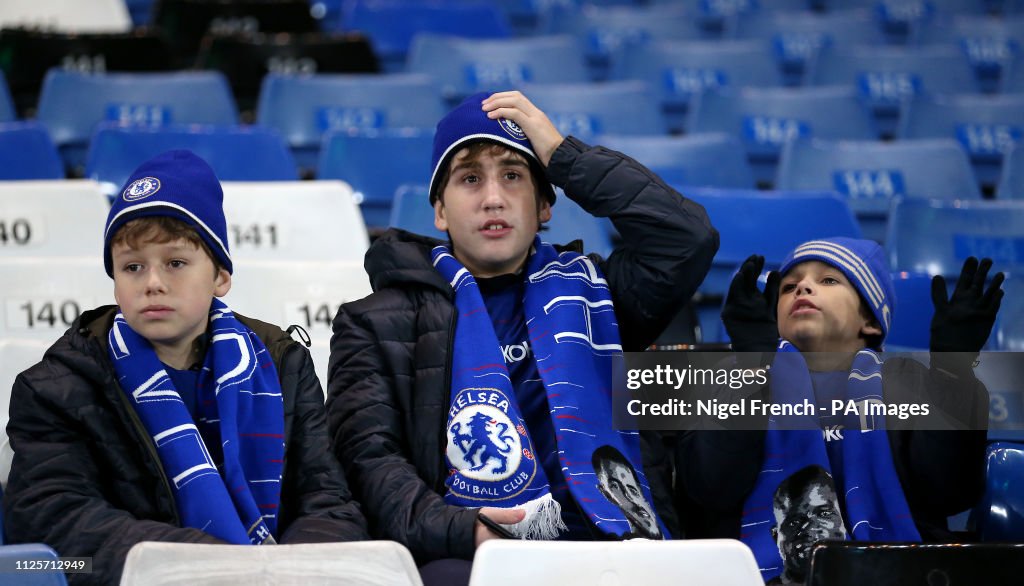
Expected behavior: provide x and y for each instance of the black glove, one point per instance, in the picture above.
(749, 315)
(964, 321)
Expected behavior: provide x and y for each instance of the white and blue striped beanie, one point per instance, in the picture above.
(863, 262)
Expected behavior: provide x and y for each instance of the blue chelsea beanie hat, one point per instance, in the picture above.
(177, 184)
(467, 124)
(862, 261)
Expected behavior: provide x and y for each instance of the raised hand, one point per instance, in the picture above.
(963, 322)
(514, 106)
(749, 315)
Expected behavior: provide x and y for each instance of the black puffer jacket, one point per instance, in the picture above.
(86, 478)
(391, 352)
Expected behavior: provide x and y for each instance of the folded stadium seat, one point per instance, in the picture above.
(1001, 372)
(1011, 184)
(871, 174)
(606, 31)
(769, 223)
(587, 109)
(986, 126)
(887, 76)
(853, 563)
(45, 219)
(71, 16)
(249, 153)
(936, 236)
(718, 18)
(71, 105)
(797, 37)
(570, 222)
(302, 108)
(992, 45)
(465, 66)
(1013, 80)
(723, 562)
(903, 20)
(16, 355)
(375, 163)
(186, 22)
(368, 563)
(27, 54)
(392, 24)
(1001, 511)
(710, 159)
(912, 317)
(411, 211)
(765, 119)
(10, 555)
(7, 113)
(680, 70)
(27, 152)
(246, 58)
(1008, 334)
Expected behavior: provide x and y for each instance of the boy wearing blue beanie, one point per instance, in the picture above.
(820, 322)
(168, 417)
(473, 384)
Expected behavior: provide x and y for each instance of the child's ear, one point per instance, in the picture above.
(440, 222)
(871, 328)
(222, 283)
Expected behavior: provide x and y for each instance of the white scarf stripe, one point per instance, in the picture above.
(858, 266)
(870, 285)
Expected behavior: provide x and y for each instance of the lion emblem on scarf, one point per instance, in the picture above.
(484, 440)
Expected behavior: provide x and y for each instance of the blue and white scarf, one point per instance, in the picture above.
(237, 388)
(875, 506)
(572, 327)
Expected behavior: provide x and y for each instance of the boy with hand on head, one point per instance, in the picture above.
(167, 417)
(831, 303)
(475, 380)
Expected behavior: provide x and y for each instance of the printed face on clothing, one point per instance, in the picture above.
(803, 521)
(618, 483)
(164, 290)
(491, 210)
(820, 311)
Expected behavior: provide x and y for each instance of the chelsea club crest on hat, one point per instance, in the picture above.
(468, 124)
(177, 184)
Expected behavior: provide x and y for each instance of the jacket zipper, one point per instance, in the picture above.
(439, 484)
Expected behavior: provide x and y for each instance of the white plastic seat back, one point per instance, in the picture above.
(367, 563)
(16, 355)
(722, 562)
(293, 220)
(52, 218)
(42, 296)
(94, 16)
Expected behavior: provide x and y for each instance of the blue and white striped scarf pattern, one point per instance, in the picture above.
(572, 327)
(239, 386)
(875, 506)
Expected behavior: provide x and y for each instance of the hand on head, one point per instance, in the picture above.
(963, 322)
(538, 128)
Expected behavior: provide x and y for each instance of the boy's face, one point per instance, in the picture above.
(489, 209)
(820, 311)
(165, 291)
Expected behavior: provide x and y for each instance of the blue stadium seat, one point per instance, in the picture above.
(767, 118)
(7, 113)
(302, 108)
(570, 222)
(1013, 80)
(1011, 184)
(236, 153)
(912, 316)
(718, 17)
(607, 31)
(872, 173)
(1001, 511)
(797, 37)
(992, 45)
(27, 152)
(986, 126)
(903, 20)
(935, 236)
(1008, 334)
(392, 24)
(375, 164)
(10, 555)
(704, 160)
(680, 70)
(465, 66)
(589, 109)
(71, 104)
(411, 211)
(887, 76)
